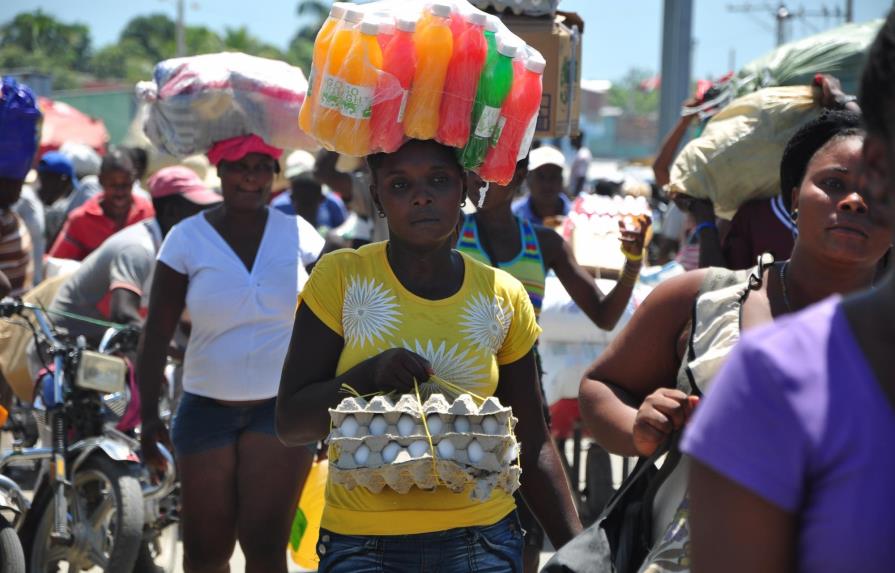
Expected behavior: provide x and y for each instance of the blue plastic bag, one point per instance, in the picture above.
(20, 121)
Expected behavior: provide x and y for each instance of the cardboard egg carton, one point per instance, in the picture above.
(384, 443)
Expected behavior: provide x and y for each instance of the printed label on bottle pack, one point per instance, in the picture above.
(487, 122)
(499, 131)
(330, 92)
(403, 108)
(528, 138)
(357, 101)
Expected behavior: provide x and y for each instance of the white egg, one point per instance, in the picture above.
(406, 424)
(361, 455)
(474, 451)
(348, 427)
(446, 449)
(461, 424)
(435, 424)
(378, 425)
(490, 425)
(510, 455)
(418, 448)
(390, 452)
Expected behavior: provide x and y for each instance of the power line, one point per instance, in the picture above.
(783, 15)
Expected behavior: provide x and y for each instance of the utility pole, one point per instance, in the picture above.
(783, 15)
(849, 10)
(677, 44)
(181, 42)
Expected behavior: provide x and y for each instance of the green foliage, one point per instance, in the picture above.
(39, 42)
(629, 95)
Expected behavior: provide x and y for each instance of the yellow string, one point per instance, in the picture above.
(457, 389)
(419, 403)
(347, 389)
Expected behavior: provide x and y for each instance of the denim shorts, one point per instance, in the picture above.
(203, 424)
(490, 549)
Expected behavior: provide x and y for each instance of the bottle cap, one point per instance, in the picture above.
(508, 46)
(406, 24)
(337, 12)
(369, 28)
(477, 18)
(441, 10)
(386, 24)
(491, 23)
(353, 16)
(535, 63)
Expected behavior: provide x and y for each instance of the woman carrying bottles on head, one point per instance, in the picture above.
(390, 314)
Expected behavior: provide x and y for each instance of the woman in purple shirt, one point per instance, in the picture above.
(792, 449)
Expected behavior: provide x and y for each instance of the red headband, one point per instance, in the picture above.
(236, 148)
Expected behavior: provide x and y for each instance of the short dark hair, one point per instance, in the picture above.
(375, 160)
(140, 159)
(807, 141)
(117, 159)
(876, 95)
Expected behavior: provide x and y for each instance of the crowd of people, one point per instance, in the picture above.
(764, 371)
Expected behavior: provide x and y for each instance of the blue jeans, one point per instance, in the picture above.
(492, 549)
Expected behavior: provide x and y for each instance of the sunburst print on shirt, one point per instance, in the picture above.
(486, 321)
(459, 367)
(370, 312)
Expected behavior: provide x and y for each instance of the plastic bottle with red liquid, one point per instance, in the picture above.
(392, 89)
(461, 82)
(518, 120)
(386, 31)
(495, 84)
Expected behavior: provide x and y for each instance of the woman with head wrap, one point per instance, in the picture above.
(689, 324)
(792, 465)
(237, 268)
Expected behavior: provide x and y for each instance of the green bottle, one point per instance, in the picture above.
(494, 86)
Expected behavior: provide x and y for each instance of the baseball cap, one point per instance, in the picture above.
(545, 155)
(83, 158)
(56, 162)
(298, 163)
(183, 181)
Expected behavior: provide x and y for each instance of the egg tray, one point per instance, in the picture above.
(487, 430)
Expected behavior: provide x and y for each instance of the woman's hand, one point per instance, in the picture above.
(663, 412)
(154, 432)
(396, 369)
(633, 236)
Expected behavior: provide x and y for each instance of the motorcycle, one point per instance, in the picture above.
(91, 493)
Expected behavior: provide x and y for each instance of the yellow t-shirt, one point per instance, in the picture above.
(489, 322)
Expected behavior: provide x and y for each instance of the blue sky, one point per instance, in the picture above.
(619, 34)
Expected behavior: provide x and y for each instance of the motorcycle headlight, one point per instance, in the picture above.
(100, 372)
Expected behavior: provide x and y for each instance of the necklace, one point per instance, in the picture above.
(783, 286)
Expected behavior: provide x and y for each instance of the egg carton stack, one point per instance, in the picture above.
(382, 443)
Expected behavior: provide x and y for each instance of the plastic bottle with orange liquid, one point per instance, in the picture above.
(434, 45)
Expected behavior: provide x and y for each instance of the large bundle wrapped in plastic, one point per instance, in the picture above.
(391, 70)
(198, 100)
(737, 157)
(20, 121)
(839, 52)
(404, 444)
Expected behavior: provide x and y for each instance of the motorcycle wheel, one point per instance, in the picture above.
(106, 520)
(12, 558)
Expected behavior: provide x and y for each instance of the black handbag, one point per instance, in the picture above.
(620, 539)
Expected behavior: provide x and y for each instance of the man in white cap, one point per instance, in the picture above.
(306, 196)
(546, 202)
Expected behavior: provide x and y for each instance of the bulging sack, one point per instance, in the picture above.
(198, 100)
(385, 72)
(737, 157)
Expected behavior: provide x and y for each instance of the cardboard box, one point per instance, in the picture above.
(559, 41)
